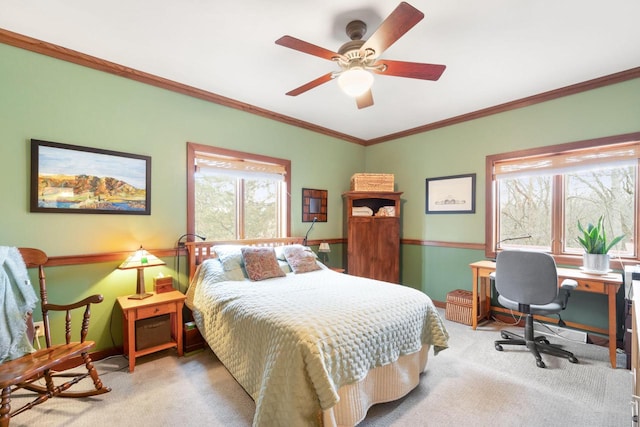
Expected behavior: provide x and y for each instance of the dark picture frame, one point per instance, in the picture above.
(314, 205)
(73, 179)
(451, 194)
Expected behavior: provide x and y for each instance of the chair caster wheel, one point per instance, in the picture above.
(540, 364)
(573, 360)
(504, 336)
(498, 347)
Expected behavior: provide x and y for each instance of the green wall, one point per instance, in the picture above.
(52, 100)
(48, 99)
(461, 149)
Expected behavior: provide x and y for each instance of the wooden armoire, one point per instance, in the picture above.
(373, 242)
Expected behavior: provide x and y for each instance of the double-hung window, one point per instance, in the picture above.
(535, 198)
(235, 195)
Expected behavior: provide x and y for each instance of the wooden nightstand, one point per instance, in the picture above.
(157, 305)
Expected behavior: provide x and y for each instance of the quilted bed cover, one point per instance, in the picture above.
(291, 342)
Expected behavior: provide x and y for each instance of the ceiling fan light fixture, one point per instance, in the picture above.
(355, 81)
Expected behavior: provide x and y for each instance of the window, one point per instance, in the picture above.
(535, 198)
(233, 195)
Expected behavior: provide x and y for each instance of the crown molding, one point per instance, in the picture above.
(49, 49)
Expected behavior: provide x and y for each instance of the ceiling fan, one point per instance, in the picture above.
(359, 58)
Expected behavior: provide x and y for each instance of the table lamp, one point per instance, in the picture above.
(140, 259)
(324, 249)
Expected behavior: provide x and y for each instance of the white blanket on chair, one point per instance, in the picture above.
(17, 298)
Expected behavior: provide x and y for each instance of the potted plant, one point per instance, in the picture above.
(593, 240)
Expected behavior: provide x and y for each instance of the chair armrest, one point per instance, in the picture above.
(568, 285)
(84, 329)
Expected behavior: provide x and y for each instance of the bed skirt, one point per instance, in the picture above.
(382, 384)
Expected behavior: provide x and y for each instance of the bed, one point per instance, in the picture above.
(310, 345)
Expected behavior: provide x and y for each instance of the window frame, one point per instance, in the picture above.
(192, 152)
(491, 202)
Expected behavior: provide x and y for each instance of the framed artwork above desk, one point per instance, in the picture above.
(607, 284)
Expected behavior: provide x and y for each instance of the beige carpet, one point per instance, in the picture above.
(468, 384)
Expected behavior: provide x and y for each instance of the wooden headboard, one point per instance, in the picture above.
(198, 252)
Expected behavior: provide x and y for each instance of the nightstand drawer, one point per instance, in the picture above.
(589, 286)
(155, 310)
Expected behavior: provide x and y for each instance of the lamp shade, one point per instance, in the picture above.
(140, 260)
(355, 81)
(324, 247)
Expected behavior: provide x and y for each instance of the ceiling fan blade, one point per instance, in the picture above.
(365, 100)
(401, 20)
(414, 70)
(308, 86)
(305, 47)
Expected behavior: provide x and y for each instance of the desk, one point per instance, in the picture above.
(606, 284)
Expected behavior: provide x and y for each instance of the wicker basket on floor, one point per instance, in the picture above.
(459, 306)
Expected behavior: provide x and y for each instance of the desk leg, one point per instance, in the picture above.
(611, 291)
(485, 292)
(474, 299)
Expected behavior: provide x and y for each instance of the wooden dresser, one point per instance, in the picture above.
(373, 242)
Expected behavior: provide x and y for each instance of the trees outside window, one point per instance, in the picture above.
(543, 193)
(234, 195)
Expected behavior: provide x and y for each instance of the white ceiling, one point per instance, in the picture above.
(496, 51)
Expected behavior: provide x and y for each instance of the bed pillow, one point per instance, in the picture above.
(301, 259)
(229, 255)
(280, 250)
(261, 263)
(284, 266)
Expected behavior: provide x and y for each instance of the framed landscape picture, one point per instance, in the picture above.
(73, 179)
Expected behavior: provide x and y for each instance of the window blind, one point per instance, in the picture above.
(249, 169)
(564, 162)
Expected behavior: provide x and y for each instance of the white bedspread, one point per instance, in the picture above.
(291, 342)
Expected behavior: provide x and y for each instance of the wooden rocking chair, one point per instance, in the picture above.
(22, 373)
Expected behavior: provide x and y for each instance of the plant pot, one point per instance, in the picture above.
(595, 263)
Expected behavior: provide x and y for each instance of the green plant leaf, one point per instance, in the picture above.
(593, 238)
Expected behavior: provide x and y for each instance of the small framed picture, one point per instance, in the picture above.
(314, 205)
(451, 194)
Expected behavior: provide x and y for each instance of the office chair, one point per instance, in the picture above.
(528, 282)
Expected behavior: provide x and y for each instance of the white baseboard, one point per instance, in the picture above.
(556, 331)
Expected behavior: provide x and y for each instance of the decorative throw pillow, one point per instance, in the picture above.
(301, 259)
(261, 263)
(280, 250)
